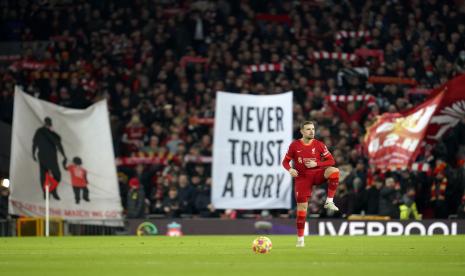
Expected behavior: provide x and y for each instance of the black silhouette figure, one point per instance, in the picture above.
(47, 142)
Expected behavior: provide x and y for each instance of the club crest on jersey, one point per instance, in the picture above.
(313, 150)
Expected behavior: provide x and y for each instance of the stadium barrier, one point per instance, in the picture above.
(95, 228)
(210, 226)
(27, 227)
(321, 227)
(36, 227)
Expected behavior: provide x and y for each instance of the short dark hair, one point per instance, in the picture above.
(304, 123)
(77, 160)
(48, 121)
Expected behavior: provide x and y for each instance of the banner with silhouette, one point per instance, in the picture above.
(251, 137)
(68, 149)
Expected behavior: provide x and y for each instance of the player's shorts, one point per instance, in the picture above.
(304, 184)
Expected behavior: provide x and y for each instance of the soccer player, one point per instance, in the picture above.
(312, 165)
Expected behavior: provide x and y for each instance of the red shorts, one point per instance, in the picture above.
(304, 184)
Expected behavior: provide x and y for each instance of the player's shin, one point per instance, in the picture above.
(333, 181)
(300, 221)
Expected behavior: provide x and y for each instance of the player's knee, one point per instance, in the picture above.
(301, 206)
(332, 172)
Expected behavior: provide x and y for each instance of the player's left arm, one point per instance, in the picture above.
(327, 156)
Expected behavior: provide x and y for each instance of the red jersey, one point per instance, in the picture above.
(301, 153)
(78, 176)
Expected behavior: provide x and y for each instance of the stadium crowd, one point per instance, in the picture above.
(160, 62)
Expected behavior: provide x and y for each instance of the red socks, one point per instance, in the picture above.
(333, 181)
(301, 217)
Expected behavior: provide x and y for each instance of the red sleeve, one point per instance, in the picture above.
(328, 157)
(288, 157)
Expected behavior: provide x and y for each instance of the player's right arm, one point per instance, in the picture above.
(286, 161)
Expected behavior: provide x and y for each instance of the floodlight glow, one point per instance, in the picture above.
(6, 183)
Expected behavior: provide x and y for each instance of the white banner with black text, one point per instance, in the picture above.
(251, 137)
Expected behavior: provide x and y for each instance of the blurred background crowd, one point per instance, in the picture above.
(159, 64)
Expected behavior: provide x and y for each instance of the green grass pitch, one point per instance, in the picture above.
(232, 255)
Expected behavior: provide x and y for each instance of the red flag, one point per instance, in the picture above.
(50, 181)
(393, 141)
(450, 111)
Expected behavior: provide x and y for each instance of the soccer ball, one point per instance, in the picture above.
(262, 245)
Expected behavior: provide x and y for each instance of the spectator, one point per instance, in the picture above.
(372, 197)
(438, 190)
(4, 193)
(202, 198)
(343, 200)
(186, 194)
(171, 204)
(389, 199)
(153, 146)
(173, 142)
(133, 134)
(317, 200)
(408, 208)
(135, 199)
(461, 209)
(139, 67)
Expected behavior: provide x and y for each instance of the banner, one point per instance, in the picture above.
(386, 228)
(391, 80)
(266, 67)
(31, 65)
(393, 140)
(281, 226)
(251, 137)
(317, 55)
(72, 146)
(450, 111)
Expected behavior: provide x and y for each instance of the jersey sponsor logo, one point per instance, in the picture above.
(306, 160)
